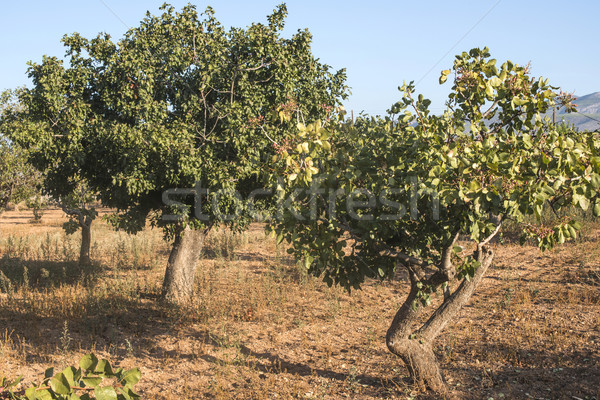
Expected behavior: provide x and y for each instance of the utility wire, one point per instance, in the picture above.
(114, 13)
(587, 116)
(459, 40)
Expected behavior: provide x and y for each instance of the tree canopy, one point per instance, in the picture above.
(178, 104)
(178, 100)
(18, 179)
(399, 192)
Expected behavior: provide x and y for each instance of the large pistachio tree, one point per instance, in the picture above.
(168, 121)
(427, 193)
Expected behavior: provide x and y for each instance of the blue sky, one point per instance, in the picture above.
(380, 43)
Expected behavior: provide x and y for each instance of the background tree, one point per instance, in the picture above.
(18, 179)
(399, 193)
(49, 122)
(37, 204)
(177, 101)
(78, 206)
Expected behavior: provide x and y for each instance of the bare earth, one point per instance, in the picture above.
(259, 328)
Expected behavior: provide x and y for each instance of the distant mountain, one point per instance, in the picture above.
(588, 107)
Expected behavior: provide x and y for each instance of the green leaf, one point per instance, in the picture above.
(43, 395)
(104, 367)
(584, 203)
(60, 384)
(576, 224)
(572, 232)
(122, 394)
(518, 101)
(308, 259)
(474, 186)
(595, 181)
(49, 373)
(30, 393)
(475, 231)
(105, 393)
(495, 81)
(131, 377)
(560, 236)
(489, 91)
(88, 362)
(128, 393)
(280, 238)
(70, 374)
(91, 381)
(597, 210)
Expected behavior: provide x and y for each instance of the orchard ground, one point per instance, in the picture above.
(260, 328)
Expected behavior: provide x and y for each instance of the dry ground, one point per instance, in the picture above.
(260, 328)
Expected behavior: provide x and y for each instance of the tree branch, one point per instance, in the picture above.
(403, 257)
(487, 240)
(73, 212)
(267, 135)
(488, 112)
(262, 65)
(452, 305)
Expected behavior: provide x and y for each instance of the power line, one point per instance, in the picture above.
(458, 42)
(587, 116)
(114, 13)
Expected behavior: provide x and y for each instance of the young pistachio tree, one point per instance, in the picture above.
(174, 117)
(49, 122)
(363, 200)
(19, 180)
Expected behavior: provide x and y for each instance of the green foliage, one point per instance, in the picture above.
(93, 379)
(39, 170)
(18, 179)
(401, 189)
(76, 205)
(178, 100)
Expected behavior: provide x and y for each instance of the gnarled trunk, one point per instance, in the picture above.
(178, 285)
(415, 346)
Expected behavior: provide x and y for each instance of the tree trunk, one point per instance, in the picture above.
(178, 285)
(86, 240)
(415, 346)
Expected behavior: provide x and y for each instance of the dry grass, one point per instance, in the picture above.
(261, 328)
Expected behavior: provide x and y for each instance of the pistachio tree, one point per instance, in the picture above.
(425, 194)
(167, 122)
(48, 122)
(18, 179)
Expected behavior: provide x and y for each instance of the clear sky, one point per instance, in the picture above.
(380, 43)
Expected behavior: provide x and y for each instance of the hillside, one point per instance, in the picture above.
(587, 106)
